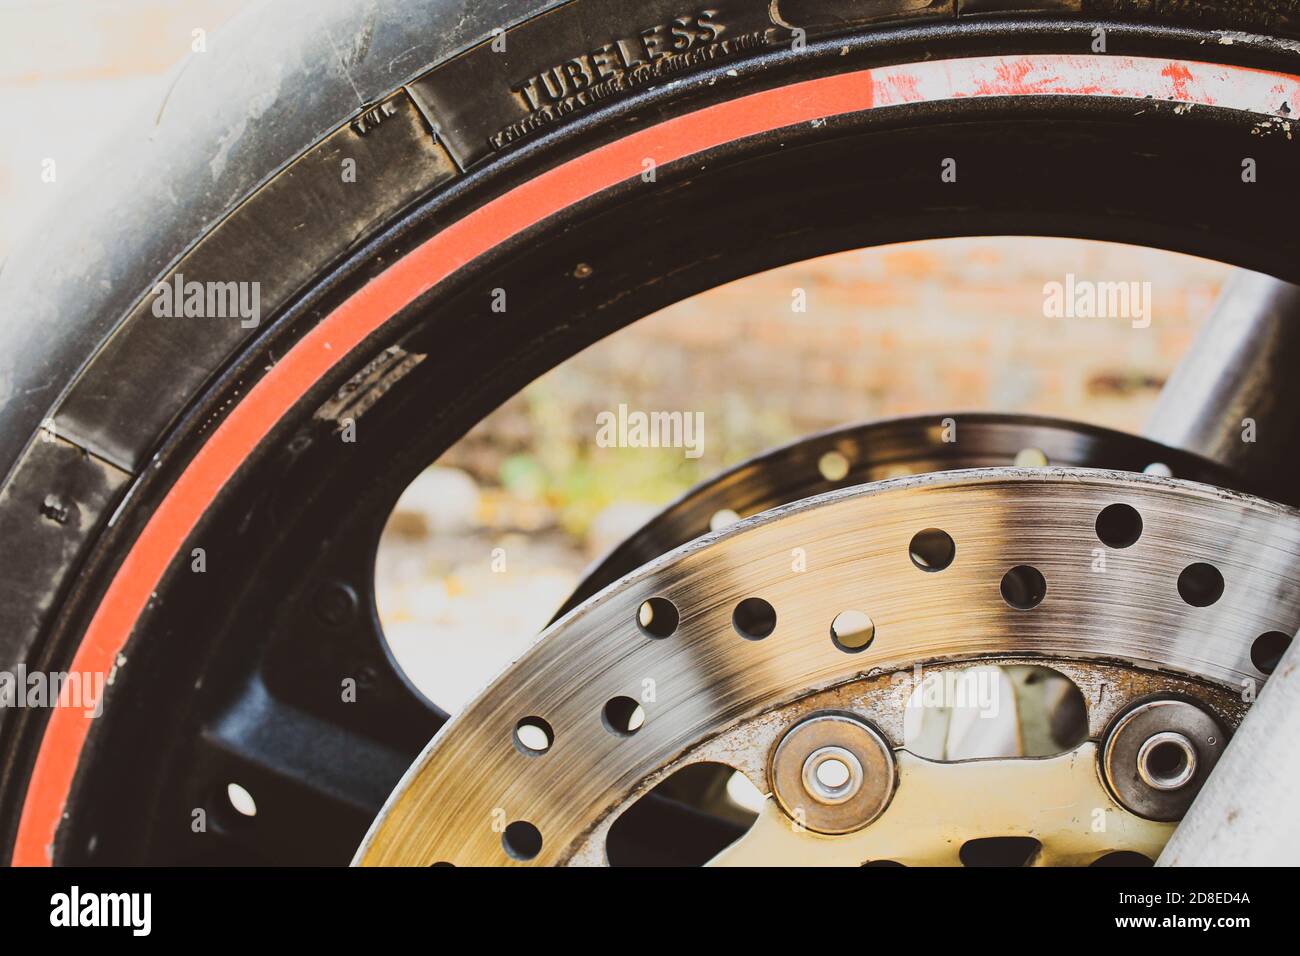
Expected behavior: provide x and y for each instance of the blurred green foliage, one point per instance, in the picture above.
(565, 468)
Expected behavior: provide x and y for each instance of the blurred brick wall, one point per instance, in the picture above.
(920, 328)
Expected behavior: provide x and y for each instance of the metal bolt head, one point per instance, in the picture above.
(1158, 754)
(822, 803)
(818, 783)
(1167, 761)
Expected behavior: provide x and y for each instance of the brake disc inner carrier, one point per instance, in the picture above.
(795, 638)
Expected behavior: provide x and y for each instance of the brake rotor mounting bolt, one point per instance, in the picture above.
(1167, 761)
(1158, 754)
(833, 772)
(832, 775)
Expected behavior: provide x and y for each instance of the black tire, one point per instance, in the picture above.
(238, 178)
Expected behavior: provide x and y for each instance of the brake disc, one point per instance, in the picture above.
(877, 450)
(1147, 592)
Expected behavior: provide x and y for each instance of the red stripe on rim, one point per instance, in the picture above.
(461, 242)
